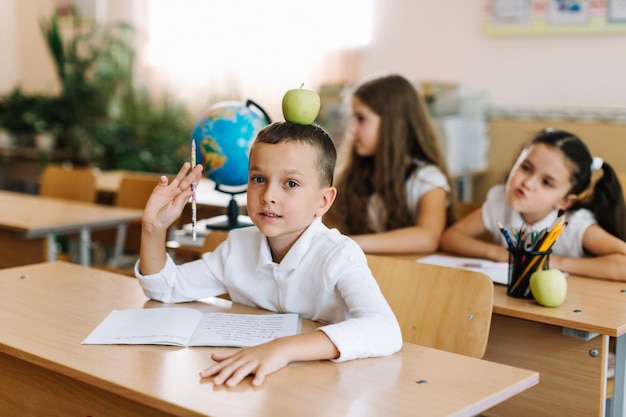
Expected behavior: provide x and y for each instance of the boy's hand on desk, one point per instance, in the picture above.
(236, 364)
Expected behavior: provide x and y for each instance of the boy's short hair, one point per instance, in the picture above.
(313, 135)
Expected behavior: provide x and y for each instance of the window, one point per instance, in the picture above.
(206, 50)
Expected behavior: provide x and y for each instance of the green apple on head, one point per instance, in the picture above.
(301, 105)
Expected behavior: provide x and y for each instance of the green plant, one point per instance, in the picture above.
(12, 109)
(148, 135)
(26, 114)
(99, 114)
(94, 67)
(111, 123)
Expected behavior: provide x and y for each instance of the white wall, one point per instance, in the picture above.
(9, 67)
(25, 58)
(439, 40)
(442, 40)
(37, 67)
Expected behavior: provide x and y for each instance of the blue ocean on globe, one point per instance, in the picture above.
(223, 137)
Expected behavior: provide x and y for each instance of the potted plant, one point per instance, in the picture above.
(99, 115)
(14, 109)
(43, 121)
(107, 120)
(147, 135)
(25, 116)
(94, 66)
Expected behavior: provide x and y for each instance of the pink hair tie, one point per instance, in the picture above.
(596, 163)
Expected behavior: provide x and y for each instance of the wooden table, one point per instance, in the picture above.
(47, 309)
(211, 203)
(108, 182)
(211, 208)
(567, 345)
(41, 219)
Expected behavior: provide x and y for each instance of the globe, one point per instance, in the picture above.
(223, 137)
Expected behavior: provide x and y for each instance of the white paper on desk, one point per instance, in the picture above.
(190, 327)
(497, 271)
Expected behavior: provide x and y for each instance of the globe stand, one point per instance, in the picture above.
(232, 218)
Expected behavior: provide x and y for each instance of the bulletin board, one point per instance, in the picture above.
(554, 17)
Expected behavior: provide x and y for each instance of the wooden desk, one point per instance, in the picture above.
(41, 219)
(553, 341)
(573, 370)
(211, 205)
(108, 182)
(46, 310)
(210, 202)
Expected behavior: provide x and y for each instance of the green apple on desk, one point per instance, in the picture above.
(301, 105)
(549, 287)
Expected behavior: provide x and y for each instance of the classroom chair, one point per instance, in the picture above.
(70, 183)
(78, 184)
(133, 192)
(443, 308)
(213, 239)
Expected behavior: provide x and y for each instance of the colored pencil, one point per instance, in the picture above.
(194, 211)
(545, 244)
(506, 235)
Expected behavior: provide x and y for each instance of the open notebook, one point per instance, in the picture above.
(180, 326)
(497, 271)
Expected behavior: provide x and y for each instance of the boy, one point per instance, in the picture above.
(288, 262)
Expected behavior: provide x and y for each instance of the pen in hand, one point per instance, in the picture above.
(193, 189)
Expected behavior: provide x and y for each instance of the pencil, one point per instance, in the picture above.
(560, 226)
(506, 235)
(521, 237)
(544, 245)
(549, 238)
(193, 197)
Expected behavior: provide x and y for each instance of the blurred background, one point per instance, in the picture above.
(490, 89)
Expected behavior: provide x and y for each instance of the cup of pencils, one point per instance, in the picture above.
(529, 252)
(522, 264)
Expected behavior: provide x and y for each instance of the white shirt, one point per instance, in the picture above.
(570, 241)
(324, 277)
(423, 179)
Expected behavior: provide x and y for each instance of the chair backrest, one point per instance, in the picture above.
(134, 191)
(78, 184)
(439, 307)
(213, 239)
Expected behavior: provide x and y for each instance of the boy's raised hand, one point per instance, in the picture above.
(167, 201)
